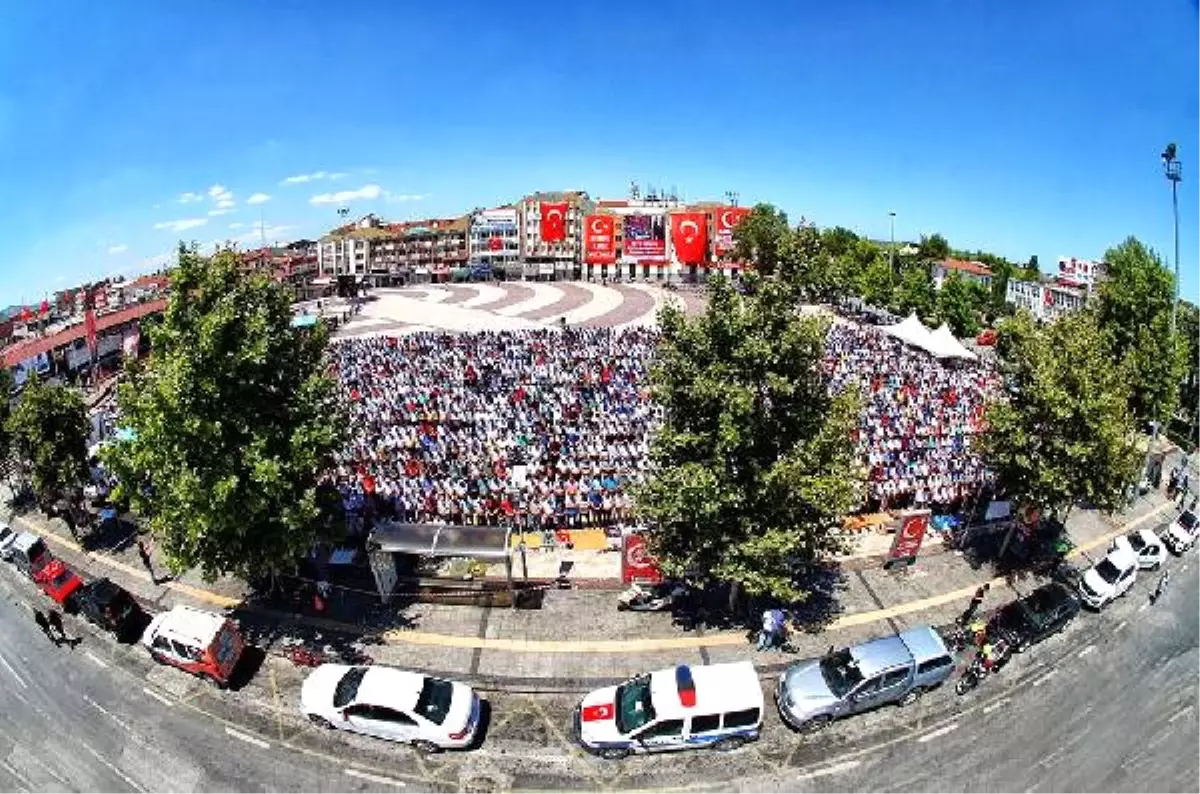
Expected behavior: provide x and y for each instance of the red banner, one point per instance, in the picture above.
(44, 308)
(726, 220)
(689, 235)
(89, 327)
(637, 565)
(599, 239)
(554, 221)
(913, 525)
(645, 236)
(496, 244)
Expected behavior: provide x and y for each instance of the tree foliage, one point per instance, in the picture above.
(6, 398)
(755, 466)
(48, 431)
(958, 305)
(235, 418)
(1064, 432)
(933, 248)
(916, 294)
(875, 281)
(760, 236)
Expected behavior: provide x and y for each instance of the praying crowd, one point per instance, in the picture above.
(918, 417)
(541, 429)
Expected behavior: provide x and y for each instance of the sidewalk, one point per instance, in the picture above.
(578, 637)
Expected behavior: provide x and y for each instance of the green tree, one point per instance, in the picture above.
(1134, 312)
(916, 294)
(235, 418)
(838, 241)
(1189, 403)
(820, 276)
(957, 305)
(755, 466)
(933, 248)
(49, 431)
(759, 237)
(875, 281)
(1063, 433)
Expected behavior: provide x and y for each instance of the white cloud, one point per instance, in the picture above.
(300, 179)
(257, 232)
(219, 193)
(403, 197)
(220, 211)
(225, 203)
(119, 248)
(366, 192)
(258, 198)
(181, 225)
(236, 225)
(338, 175)
(156, 261)
(189, 198)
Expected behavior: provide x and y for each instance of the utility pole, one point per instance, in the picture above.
(892, 250)
(1173, 170)
(732, 197)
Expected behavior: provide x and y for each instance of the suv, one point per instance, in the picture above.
(1035, 617)
(896, 669)
(1182, 533)
(7, 536)
(110, 607)
(1110, 578)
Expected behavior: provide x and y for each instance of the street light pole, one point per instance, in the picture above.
(1173, 170)
(892, 250)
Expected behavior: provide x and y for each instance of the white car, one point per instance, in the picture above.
(428, 713)
(1182, 534)
(7, 536)
(1147, 547)
(1109, 578)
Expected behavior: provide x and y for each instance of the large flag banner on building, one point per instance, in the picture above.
(689, 235)
(496, 243)
(727, 219)
(554, 221)
(89, 327)
(131, 342)
(599, 240)
(645, 235)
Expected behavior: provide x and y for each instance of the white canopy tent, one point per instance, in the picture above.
(945, 345)
(911, 331)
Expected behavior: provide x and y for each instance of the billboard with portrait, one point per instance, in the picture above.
(645, 236)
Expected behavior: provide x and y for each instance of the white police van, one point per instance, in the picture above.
(716, 705)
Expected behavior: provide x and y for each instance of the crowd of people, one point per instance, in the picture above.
(918, 417)
(540, 429)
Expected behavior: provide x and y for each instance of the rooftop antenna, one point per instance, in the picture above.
(732, 197)
(635, 192)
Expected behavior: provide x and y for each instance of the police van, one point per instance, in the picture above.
(716, 705)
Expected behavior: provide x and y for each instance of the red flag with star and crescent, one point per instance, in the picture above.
(554, 221)
(597, 713)
(689, 235)
(727, 219)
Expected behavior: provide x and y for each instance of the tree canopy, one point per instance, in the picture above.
(760, 236)
(755, 465)
(958, 305)
(933, 248)
(235, 419)
(49, 431)
(916, 294)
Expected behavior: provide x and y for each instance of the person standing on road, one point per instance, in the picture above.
(976, 600)
(1160, 586)
(144, 553)
(43, 622)
(54, 618)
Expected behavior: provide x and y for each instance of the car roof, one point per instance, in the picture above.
(1147, 535)
(1048, 595)
(1122, 556)
(387, 686)
(187, 623)
(923, 643)
(25, 541)
(880, 654)
(720, 688)
(104, 591)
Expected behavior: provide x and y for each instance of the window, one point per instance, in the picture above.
(840, 672)
(742, 719)
(161, 643)
(634, 708)
(662, 730)
(869, 688)
(347, 687)
(185, 651)
(893, 678)
(384, 714)
(934, 664)
(705, 723)
(434, 701)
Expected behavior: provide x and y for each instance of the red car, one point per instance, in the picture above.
(59, 582)
(987, 337)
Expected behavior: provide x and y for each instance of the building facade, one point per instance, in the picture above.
(560, 259)
(1085, 274)
(976, 272)
(494, 244)
(1046, 301)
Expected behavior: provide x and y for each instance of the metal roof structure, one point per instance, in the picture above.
(440, 540)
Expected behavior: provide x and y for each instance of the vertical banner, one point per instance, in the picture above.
(637, 565)
(599, 240)
(913, 524)
(726, 220)
(131, 342)
(554, 221)
(89, 327)
(689, 236)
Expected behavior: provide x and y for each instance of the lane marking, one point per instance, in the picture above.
(989, 708)
(1044, 678)
(12, 771)
(1178, 714)
(845, 766)
(1086, 651)
(387, 781)
(106, 713)
(1122, 625)
(939, 732)
(95, 658)
(160, 698)
(1143, 607)
(247, 738)
(20, 680)
(133, 784)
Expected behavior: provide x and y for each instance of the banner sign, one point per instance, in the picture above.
(726, 220)
(496, 220)
(689, 236)
(637, 565)
(913, 525)
(89, 326)
(645, 235)
(554, 221)
(599, 239)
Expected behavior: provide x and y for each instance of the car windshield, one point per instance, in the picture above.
(61, 579)
(634, 708)
(1108, 572)
(1135, 540)
(434, 701)
(347, 687)
(841, 672)
(1187, 520)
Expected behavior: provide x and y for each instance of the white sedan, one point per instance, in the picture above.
(1182, 534)
(1147, 547)
(1109, 578)
(428, 713)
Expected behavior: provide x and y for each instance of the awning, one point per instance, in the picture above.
(436, 540)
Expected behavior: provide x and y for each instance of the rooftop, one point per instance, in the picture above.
(963, 266)
(29, 348)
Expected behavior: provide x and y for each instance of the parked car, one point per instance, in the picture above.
(1182, 533)
(1146, 547)
(1110, 578)
(685, 707)
(112, 608)
(29, 553)
(896, 669)
(1031, 619)
(429, 713)
(59, 582)
(7, 536)
(195, 641)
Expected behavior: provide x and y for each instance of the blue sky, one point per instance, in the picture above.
(1017, 127)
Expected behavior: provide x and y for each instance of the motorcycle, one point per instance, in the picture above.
(658, 598)
(980, 667)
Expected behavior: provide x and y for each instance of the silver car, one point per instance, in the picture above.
(896, 669)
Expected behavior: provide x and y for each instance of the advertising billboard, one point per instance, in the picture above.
(645, 236)
(503, 220)
(726, 220)
(599, 239)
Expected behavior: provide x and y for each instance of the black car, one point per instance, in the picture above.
(112, 608)
(1036, 616)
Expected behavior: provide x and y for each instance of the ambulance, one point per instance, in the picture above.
(717, 705)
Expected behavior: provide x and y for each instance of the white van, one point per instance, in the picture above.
(716, 705)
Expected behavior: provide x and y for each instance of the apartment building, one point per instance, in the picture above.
(495, 243)
(560, 259)
(424, 250)
(1045, 300)
(977, 272)
(1085, 274)
(346, 251)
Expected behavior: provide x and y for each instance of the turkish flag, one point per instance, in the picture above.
(727, 219)
(1047, 297)
(89, 327)
(26, 315)
(45, 307)
(495, 244)
(599, 239)
(554, 221)
(689, 235)
(598, 713)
